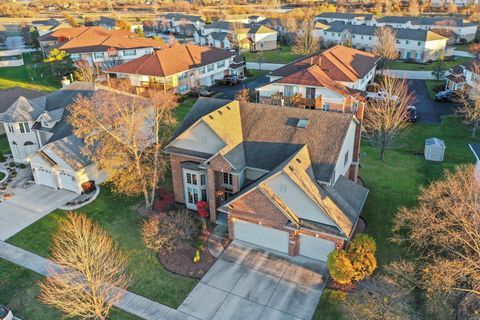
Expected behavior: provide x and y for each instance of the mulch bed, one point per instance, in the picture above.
(181, 262)
(342, 287)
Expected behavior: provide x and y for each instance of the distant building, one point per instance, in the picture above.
(111, 24)
(464, 77)
(99, 46)
(412, 44)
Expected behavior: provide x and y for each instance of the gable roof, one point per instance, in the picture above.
(346, 16)
(170, 61)
(340, 63)
(10, 95)
(272, 130)
(99, 39)
(259, 29)
(69, 149)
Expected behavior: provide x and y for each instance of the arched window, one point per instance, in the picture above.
(15, 150)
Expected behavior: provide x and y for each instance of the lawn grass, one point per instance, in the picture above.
(119, 216)
(281, 55)
(33, 69)
(431, 84)
(462, 47)
(182, 109)
(19, 291)
(395, 183)
(401, 65)
(4, 146)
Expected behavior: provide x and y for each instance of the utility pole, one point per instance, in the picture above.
(110, 5)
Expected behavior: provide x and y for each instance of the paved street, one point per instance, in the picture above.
(249, 282)
(224, 92)
(428, 110)
(29, 205)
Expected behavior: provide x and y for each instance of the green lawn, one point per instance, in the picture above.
(118, 215)
(281, 55)
(401, 65)
(182, 109)
(431, 84)
(19, 291)
(395, 182)
(462, 47)
(22, 76)
(4, 146)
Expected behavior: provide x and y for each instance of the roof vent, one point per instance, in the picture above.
(220, 112)
(302, 123)
(228, 107)
(298, 160)
(211, 117)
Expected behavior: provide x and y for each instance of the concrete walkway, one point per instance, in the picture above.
(409, 74)
(131, 302)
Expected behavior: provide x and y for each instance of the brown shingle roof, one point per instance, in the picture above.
(98, 39)
(170, 61)
(339, 63)
(10, 95)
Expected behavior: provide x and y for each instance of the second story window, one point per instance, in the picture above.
(98, 55)
(288, 91)
(227, 179)
(419, 43)
(201, 70)
(129, 53)
(310, 93)
(24, 127)
(210, 67)
(221, 64)
(182, 76)
(10, 128)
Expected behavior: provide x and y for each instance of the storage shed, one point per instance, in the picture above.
(434, 149)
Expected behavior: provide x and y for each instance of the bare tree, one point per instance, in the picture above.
(386, 116)
(306, 43)
(86, 72)
(414, 8)
(386, 44)
(124, 135)
(469, 99)
(91, 272)
(443, 231)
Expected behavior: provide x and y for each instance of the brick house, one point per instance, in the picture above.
(280, 177)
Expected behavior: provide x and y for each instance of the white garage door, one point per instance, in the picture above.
(68, 182)
(45, 177)
(316, 248)
(260, 235)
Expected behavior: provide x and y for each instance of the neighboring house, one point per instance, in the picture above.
(412, 44)
(10, 95)
(181, 68)
(353, 18)
(111, 24)
(252, 37)
(39, 134)
(99, 46)
(276, 176)
(459, 3)
(46, 26)
(352, 68)
(178, 22)
(464, 77)
(460, 29)
(218, 40)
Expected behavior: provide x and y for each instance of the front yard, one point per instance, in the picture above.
(395, 182)
(19, 291)
(401, 65)
(281, 55)
(34, 75)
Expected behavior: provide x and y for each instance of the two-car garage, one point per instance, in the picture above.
(55, 179)
(310, 246)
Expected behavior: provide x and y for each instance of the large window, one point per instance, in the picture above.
(210, 67)
(310, 93)
(182, 76)
(99, 55)
(227, 179)
(24, 127)
(288, 91)
(201, 70)
(221, 64)
(183, 88)
(129, 53)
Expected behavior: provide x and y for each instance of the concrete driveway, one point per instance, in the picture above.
(29, 205)
(428, 110)
(249, 282)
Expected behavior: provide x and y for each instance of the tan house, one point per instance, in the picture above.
(257, 38)
(278, 177)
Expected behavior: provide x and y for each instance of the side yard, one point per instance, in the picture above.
(395, 182)
(34, 75)
(283, 54)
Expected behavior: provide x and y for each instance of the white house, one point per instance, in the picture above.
(38, 134)
(466, 77)
(353, 18)
(179, 22)
(181, 67)
(412, 44)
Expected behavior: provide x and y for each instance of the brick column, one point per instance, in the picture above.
(212, 200)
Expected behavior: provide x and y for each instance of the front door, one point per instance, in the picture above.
(195, 186)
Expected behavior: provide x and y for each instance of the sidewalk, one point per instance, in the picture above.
(131, 302)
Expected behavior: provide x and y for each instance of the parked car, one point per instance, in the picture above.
(5, 313)
(231, 80)
(204, 92)
(446, 96)
(411, 115)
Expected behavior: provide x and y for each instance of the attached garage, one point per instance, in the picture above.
(45, 177)
(316, 248)
(260, 235)
(68, 181)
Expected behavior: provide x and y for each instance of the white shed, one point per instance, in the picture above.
(434, 149)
